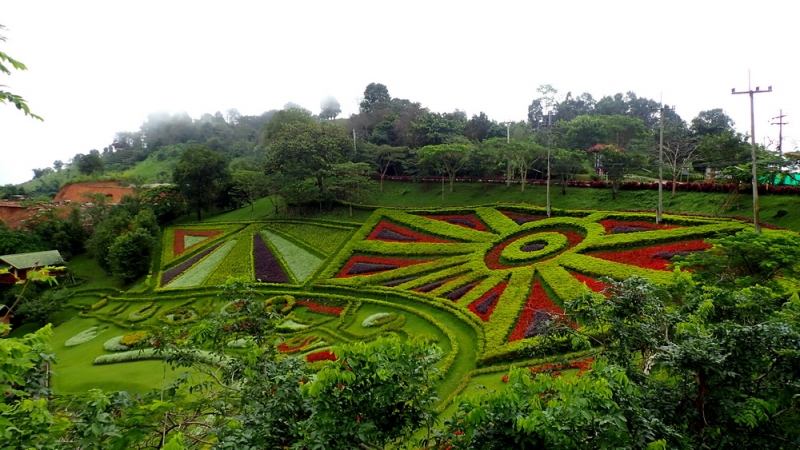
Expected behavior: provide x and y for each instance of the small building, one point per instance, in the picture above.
(19, 264)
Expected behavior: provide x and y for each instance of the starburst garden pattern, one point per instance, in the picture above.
(508, 269)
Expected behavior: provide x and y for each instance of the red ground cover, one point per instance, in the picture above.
(378, 261)
(384, 231)
(294, 345)
(177, 241)
(322, 309)
(322, 355)
(538, 301)
(646, 257)
(591, 283)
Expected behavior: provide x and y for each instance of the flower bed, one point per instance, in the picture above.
(460, 292)
(521, 219)
(495, 259)
(462, 220)
(322, 309)
(297, 344)
(114, 345)
(267, 267)
(323, 237)
(654, 257)
(617, 227)
(389, 232)
(170, 274)
(300, 261)
(198, 273)
(538, 309)
(591, 283)
(322, 355)
(183, 237)
(238, 263)
(484, 306)
(363, 265)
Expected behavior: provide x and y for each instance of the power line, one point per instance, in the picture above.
(780, 124)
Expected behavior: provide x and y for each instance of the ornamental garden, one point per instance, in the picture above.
(479, 282)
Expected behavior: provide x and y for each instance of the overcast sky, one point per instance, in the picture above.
(98, 67)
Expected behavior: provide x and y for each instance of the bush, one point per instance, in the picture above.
(114, 345)
(82, 337)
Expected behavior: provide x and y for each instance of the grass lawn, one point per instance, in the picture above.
(84, 267)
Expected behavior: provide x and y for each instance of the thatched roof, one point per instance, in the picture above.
(31, 260)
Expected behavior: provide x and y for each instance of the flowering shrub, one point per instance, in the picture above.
(591, 283)
(281, 304)
(537, 310)
(134, 338)
(291, 325)
(484, 306)
(145, 312)
(555, 369)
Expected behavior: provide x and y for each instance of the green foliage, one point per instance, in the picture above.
(131, 253)
(8, 97)
(747, 258)
(446, 158)
(197, 274)
(374, 394)
(39, 309)
(201, 176)
(300, 261)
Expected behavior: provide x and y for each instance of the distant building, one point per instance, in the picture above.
(19, 264)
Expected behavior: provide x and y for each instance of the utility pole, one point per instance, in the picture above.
(549, 146)
(660, 209)
(750, 91)
(354, 141)
(780, 124)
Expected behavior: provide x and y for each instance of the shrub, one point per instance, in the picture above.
(377, 319)
(114, 345)
(83, 336)
(135, 338)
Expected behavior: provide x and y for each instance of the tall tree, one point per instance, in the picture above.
(330, 108)
(89, 164)
(711, 122)
(447, 158)
(200, 176)
(376, 96)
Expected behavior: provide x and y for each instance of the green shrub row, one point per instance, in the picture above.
(83, 337)
(150, 353)
(320, 240)
(509, 306)
(99, 304)
(554, 242)
(642, 238)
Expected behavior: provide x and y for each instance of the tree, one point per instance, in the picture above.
(725, 149)
(6, 96)
(523, 154)
(541, 105)
(200, 176)
(39, 309)
(89, 164)
(249, 186)
(479, 128)
(130, 254)
(448, 158)
(330, 108)
(565, 164)
(350, 182)
(615, 164)
(712, 122)
(376, 96)
(38, 173)
(58, 165)
(374, 394)
(385, 156)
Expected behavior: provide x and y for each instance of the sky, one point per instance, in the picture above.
(96, 67)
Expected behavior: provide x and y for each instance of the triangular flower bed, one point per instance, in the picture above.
(620, 227)
(186, 239)
(462, 220)
(389, 232)
(484, 306)
(171, 274)
(521, 219)
(593, 284)
(267, 267)
(656, 257)
(369, 265)
(536, 311)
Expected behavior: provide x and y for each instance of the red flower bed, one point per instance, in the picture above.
(484, 306)
(538, 309)
(322, 355)
(294, 346)
(389, 232)
(617, 227)
(649, 257)
(267, 267)
(555, 369)
(462, 220)
(378, 263)
(492, 258)
(170, 274)
(591, 283)
(178, 241)
(322, 309)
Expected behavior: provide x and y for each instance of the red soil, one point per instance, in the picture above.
(78, 192)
